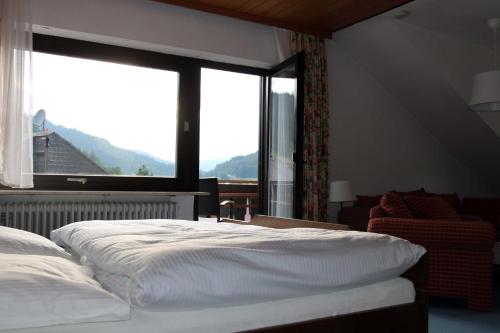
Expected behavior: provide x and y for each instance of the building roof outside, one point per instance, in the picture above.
(63, 157)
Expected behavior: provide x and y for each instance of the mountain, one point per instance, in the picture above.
(207, 165)
(111, 157)
(238, 167)
(122, 161)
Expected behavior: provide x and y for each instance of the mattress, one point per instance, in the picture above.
(251, 316)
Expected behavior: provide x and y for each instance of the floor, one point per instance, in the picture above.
(452, 316)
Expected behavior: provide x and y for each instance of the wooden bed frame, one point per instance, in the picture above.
(406, 318)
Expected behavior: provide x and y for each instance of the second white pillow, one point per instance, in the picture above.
(45, 290)
(18, 241)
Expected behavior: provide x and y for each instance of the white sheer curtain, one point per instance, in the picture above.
(281, 171)
(16, 139)
(282, 38)
(281, 165)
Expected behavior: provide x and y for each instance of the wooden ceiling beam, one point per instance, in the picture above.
(316, 17)
(248, 17)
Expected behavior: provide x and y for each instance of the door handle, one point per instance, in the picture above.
(77, 180)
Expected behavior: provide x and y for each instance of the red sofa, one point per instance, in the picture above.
(460, 254)
(488, 209)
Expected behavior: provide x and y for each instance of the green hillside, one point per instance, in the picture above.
(115, 160)
(238, 167)
(122, 161)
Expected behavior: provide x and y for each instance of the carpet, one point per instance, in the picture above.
(452, 316)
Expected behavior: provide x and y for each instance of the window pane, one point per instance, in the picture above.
(103, 118)
(281, 168)
(229, 124)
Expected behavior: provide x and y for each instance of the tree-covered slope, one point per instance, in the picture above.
(238, 167)
(122, 161)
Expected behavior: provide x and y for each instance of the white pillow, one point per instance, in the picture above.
(17, 241)
(45, 290)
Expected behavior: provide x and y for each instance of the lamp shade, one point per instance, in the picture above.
(486, 92)
(340, 191)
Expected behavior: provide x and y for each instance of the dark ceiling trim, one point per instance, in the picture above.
(247, 17)
(273, 22)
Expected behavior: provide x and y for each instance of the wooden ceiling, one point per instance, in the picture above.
(317, 17)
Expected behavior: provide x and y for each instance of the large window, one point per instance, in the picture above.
(229, 124)
(103, 118)
(115, 118)
(111, 118)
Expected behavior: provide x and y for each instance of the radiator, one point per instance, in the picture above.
(42, 217)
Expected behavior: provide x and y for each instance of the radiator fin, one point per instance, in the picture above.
(43, 217)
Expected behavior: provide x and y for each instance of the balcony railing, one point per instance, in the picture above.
(240, 191)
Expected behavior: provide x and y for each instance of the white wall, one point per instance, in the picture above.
(156, 26)
(402, 92)
(378, 145)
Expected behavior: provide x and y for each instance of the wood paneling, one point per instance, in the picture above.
(318, 17)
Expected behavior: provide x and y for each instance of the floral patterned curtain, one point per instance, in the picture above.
(316, 118)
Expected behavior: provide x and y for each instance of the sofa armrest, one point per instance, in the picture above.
(355, 217)
(487, 208)
(473, 235)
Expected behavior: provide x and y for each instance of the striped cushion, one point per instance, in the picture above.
(394, 206)
(431, 208)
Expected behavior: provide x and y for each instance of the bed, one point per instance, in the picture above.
(393, 304)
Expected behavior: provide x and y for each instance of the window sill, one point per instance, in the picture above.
(101, 193)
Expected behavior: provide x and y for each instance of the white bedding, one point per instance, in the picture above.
(17, 241)
(47, 290)
(245, 317)
(184, 263)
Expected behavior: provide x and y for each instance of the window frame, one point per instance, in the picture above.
(187, 150)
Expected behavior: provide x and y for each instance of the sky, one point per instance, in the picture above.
(136, 108)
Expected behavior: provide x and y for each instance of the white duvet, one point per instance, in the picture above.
(186, 263)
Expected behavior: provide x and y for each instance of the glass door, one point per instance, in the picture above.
(283, 140)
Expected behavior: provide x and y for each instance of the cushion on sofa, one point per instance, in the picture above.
(395, 206)
(431, 208)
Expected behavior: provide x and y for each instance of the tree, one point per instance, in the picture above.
(144, 171)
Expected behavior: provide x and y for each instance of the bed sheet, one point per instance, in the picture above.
(251, 316)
